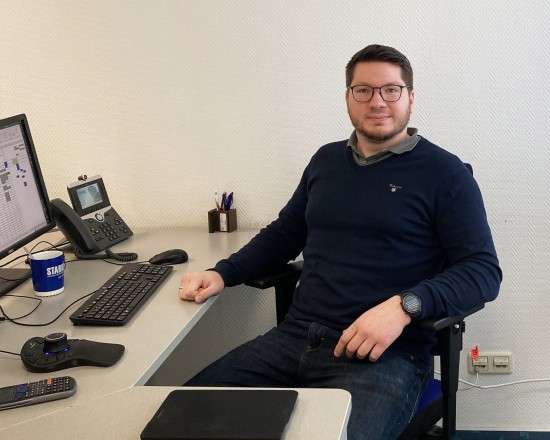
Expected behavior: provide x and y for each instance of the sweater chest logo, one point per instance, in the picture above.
(394, 188)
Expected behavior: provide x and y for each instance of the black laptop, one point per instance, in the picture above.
(193, 414)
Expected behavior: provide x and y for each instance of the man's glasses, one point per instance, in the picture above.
(389, 93)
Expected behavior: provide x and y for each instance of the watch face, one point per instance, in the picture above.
(412, 303)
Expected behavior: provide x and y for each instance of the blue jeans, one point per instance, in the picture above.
(299, 354)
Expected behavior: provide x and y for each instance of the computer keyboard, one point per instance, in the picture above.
(122, 295)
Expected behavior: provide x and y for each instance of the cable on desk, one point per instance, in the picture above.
(11, 261)
(14, 320)
(52, 246)
(122, 256)
(5, 317)
(10, 352)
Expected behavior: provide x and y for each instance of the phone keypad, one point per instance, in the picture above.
(111, 228)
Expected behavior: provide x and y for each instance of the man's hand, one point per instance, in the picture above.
(374, 331)
(199, 286)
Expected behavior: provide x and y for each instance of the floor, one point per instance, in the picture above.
(509, 435)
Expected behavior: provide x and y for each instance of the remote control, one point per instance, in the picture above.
(37, 392)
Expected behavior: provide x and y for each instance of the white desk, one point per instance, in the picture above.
(318, 414)
(150, 337)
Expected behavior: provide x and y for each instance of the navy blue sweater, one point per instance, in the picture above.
(414, 221)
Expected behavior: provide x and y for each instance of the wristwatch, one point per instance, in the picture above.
(411, 304)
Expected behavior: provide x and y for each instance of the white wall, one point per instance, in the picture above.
(171, 100)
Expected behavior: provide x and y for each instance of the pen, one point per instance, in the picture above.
(216, 200)
(228, 202)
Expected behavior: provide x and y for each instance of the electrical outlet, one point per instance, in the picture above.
(490, 362)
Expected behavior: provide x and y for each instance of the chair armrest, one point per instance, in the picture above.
(284, 279)
(282, 274)
(438, 324)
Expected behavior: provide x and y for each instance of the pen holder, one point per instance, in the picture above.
(222, 221)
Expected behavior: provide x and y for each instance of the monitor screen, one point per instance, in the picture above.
(24, 204)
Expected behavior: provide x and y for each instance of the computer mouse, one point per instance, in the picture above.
(171, 256)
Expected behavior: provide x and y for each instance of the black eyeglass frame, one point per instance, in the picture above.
(379, 91)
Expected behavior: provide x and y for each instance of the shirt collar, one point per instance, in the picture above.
(402, 147)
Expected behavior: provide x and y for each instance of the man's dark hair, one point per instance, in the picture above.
(385, 54)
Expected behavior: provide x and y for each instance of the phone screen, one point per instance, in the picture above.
(89, 195)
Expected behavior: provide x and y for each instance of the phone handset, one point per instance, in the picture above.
(74, 228)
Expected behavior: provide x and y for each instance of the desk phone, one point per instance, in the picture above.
(92, 224)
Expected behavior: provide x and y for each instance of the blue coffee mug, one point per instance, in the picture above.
(48, 272)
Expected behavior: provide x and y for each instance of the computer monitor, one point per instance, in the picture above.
(24, 205)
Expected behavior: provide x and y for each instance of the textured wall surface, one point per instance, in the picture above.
(171, 100)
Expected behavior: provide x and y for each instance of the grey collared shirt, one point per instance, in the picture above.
(402, 147)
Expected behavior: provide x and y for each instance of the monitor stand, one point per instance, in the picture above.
(11, 278)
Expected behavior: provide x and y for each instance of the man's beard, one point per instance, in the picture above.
(381, 137)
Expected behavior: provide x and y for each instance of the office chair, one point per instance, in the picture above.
(439, 400)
